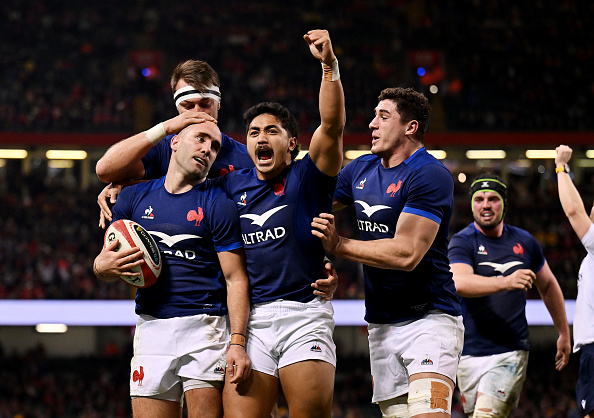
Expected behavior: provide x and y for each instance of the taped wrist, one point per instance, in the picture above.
(331, 72)
(156, 133)
(237, 339)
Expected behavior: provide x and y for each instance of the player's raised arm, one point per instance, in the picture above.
(326, 143)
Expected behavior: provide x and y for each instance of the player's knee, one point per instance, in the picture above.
(429, 396)
(395, 407)
(489, 407)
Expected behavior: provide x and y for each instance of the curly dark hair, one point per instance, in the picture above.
(286, 119)
(411, 105)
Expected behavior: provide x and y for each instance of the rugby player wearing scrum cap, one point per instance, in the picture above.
(494, 264)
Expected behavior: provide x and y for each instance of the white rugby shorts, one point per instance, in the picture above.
(431, 344)
(171, 355)
(499, 376)
(284, 332)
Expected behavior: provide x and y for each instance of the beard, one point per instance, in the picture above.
(492, 224)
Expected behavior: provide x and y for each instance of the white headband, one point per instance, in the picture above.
(190, 92)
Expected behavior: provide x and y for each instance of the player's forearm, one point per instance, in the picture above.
(332, 108)
(475, 286)
(552, 296)
(238, 304)
(569, 196)
(383, 253)
(122, 161)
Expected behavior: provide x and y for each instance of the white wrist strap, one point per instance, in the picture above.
(156, 133)
(330, 72)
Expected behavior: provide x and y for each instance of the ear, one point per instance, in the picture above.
(175, 143)
(412, 127)
(292, 143)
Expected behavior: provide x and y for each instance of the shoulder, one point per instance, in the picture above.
(144, 187)
(427, 166)
(465, 233)
(229, 143)
(519, 233)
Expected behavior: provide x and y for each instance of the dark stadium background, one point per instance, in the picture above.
(82, 75)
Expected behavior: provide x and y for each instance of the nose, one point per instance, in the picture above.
(373, 124)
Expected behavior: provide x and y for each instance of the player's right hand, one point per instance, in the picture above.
(189, 117)
(563, 155)
(111, 192)
(520, 279)
(110, 264)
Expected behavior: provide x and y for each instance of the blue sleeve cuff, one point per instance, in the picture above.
(423, 213)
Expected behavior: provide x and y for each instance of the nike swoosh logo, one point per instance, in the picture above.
(370, 210)
(501, 268)
(171, 240)
(260, 220)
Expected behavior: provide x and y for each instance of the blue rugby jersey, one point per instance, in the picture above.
(283, 257)
(190, 229)
(496, 323)
(423, 186)
(232, 156)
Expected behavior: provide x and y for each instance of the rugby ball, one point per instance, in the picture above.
(130, 234)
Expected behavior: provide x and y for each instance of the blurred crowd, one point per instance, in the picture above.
(34, 385)
(49, 237)
(72, 66)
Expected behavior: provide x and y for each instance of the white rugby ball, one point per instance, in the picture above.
(130, 234)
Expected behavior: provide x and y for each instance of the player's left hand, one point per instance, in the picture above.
(326, 287)
(563, 351)
(108, 194)
(320, 45)
(324, 228)
(239, 365)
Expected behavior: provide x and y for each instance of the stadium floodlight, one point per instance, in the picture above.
(541, 154)
(485, 154)
(355, 153)
(70, 154)
(438, 153)
(13, 153)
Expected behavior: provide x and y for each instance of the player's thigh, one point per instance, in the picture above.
(155, 408)
(308, 387)
(252, 398)
(204, 403)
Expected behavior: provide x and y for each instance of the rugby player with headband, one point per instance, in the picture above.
(494, 265)
(146, 155)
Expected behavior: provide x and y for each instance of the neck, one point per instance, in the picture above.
(491, 232)
(176, 183)
(401, 154)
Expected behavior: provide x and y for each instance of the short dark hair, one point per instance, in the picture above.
(280, 112)
(411, 105)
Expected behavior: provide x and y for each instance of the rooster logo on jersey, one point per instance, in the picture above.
(196, 216)
(393, 188)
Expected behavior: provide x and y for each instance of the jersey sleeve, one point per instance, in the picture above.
(588, 240)
(225, 224)
(538, 258)
(156, 160)
(460, 250)
(122, 209)
(431, 193)
(343, 191)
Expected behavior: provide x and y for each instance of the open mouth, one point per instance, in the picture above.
(200, 160)
(264, 155)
